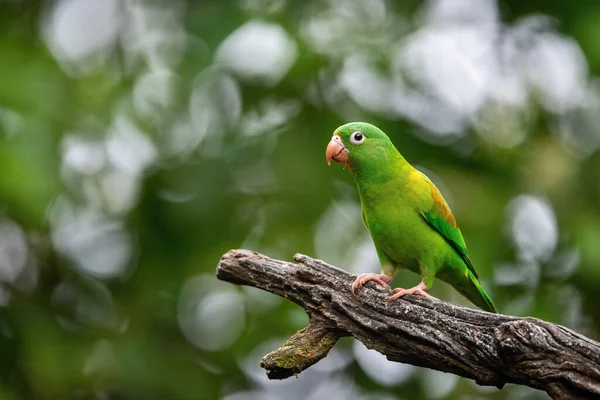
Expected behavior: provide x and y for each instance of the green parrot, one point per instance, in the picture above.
(410, 223)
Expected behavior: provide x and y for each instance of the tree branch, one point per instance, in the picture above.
(492, 349)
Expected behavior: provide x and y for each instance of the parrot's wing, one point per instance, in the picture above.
(362, 215)
(439, 216)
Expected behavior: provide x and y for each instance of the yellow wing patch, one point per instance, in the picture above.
(438, 200)
(442, 206)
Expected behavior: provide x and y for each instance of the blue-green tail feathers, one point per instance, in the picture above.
(475, 293)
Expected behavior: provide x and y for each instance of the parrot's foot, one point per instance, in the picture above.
(419, 290)
(381, 280)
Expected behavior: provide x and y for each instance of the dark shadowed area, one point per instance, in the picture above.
(142, 139)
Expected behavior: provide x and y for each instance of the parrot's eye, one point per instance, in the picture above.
(357, 138)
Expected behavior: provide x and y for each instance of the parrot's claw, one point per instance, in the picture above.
(381, 280)
(418, 290)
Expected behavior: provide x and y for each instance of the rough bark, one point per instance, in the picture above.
(492, 349)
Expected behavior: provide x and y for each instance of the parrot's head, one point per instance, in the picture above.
(358, 144)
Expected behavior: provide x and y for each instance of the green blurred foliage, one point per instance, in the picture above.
(141, 140)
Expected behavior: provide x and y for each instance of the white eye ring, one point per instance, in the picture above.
(357, 137)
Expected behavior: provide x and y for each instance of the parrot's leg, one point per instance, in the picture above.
(388, 270)
(380, 279)
(419, 290)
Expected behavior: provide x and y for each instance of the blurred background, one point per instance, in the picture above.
(142, 139)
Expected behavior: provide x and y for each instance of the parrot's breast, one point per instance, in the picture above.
(399, 230)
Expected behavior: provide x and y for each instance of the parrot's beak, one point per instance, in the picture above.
(336, 151)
